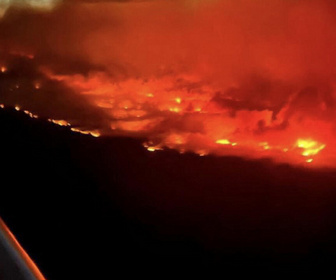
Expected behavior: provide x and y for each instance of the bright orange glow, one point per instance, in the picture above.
(3, 69)
(174, 109)
(199, 130)
(153, 149)
(30, 114)
(202, 153)
(310, 147)
(60, 122)
(220, 77)
(264, 145)
(37, 85)
(94, 133)
(223, 142)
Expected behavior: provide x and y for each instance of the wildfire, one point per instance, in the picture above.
(218, 82)
(94, 133)
(310, 147)
(203, 131)
(153, 149)
(60, 122)
(225, 142)
(264, 145)
(210, 130)
(30, 114)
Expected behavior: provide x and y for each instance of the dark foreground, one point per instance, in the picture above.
(83, 206)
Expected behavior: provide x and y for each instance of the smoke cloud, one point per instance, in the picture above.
(251, 78)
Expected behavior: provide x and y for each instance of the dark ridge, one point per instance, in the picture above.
(93, 206)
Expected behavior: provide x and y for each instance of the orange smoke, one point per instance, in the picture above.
(223, 77)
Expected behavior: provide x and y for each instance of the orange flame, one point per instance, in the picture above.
(187, 127)
(310, 147)
(226, 78)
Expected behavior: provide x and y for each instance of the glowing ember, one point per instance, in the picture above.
(94, 133)
(264, 145)
(3, 69)
(223, 142)
(153, 149)
(30, 114)
(310, 147)
(174, 109)
(60, 122)
(37, 85)
(202, 153)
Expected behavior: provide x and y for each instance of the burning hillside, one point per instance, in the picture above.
(223, 77)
